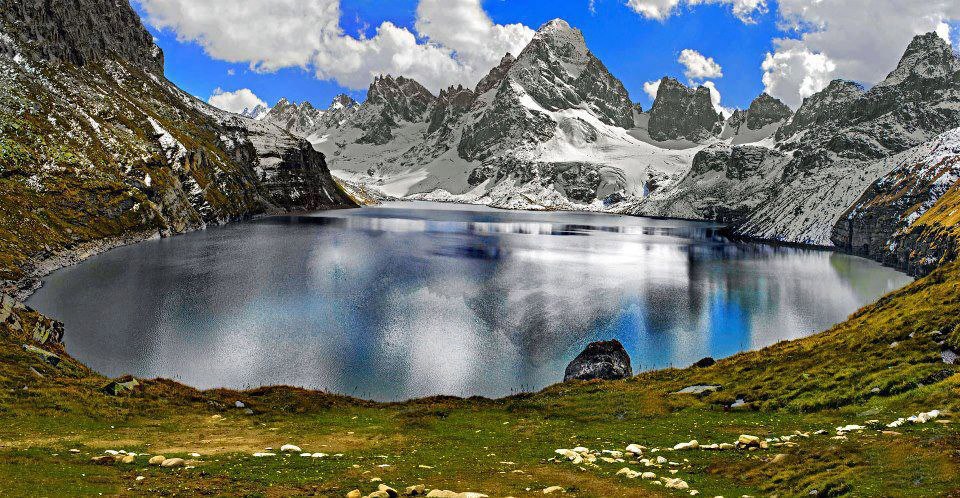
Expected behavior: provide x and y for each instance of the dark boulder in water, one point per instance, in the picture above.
(600, 360)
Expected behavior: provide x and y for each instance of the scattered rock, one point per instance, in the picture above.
(636, 449)
(74, 450)
(128, 459)
(352, 494)
(697, 389)
(674, 483)
(705, 362)
(156, 460)
(172, 462)
(290, 448)
(123, 385)
(778, 459)
(43, 354)
(417, 490)
(553, 489)
(692, 445)
(104, 460)
(850, 428)
(606, 360)
(262, 454)
(748, 441)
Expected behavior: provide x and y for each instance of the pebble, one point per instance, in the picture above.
(264, 454)
(195, 455)
(74, 450)
(157, 460)
(318, 455)
(355, 494)
(553, 489)
(140, 478)
(128, 459)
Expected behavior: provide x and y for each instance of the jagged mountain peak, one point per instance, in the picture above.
(766, 110)
(496, 75)
(342, 101)
(558, 40)
(927, 56)
(681, 112)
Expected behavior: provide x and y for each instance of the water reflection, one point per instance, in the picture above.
(407, 300)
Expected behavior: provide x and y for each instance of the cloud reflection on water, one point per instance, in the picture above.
(409, 300)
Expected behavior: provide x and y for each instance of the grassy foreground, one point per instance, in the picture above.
(882, 364)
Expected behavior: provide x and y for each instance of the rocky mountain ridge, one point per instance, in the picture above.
(96, 145)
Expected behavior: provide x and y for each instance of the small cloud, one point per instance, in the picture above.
(651, 88)
(236, 101)
(231, 72)
(699, 67)
(943, 31)
(592, 6)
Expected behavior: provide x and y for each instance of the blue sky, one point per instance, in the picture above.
(636, 49)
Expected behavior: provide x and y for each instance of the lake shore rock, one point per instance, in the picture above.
(606, 360)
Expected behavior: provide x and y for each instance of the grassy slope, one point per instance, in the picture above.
(819, 382)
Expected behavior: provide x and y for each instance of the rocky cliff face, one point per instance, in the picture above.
(906, 218)
(114, 150)
(682, 113)
(80, 32)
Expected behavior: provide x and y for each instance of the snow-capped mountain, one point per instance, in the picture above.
(549, 128)
(257, 113)
(299, 119)
(552, 129)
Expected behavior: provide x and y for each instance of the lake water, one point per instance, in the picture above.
(413, 299)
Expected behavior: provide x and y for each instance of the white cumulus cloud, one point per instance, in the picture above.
(455, 42)
(651, 88)
(660, 10)
(236, 101)
(834, 40)
(698, 66)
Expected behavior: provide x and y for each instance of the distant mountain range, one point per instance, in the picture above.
(553, 129)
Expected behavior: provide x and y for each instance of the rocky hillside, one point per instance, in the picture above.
(98, 148)
(908, 217)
